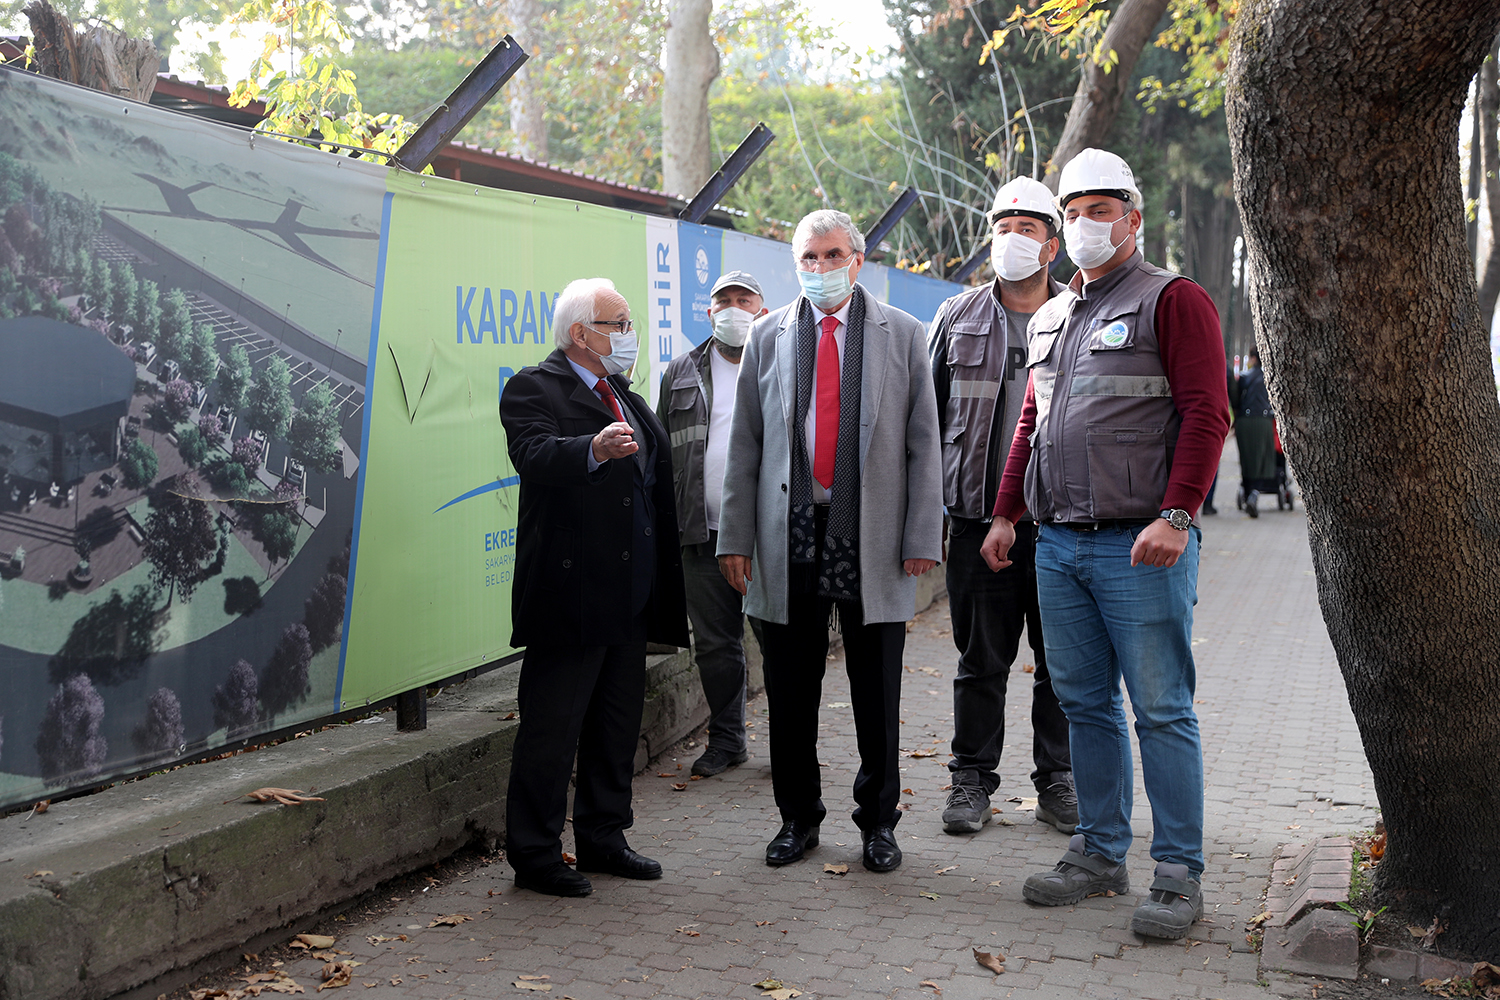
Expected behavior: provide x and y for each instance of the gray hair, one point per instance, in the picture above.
(821, 223)
(576, 305)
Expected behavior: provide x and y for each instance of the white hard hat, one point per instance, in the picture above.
(1097, 171)
(1024, 196)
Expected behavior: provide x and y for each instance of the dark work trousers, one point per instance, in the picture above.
(795, 657)
(716, 611)
(574, 699)
(989, 610)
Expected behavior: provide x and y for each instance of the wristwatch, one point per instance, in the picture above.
(1178, 518)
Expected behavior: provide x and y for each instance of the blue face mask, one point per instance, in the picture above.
(623, 348)
(826, 289)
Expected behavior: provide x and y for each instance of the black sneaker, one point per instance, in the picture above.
(1057, 805)
(968, 808)
(716, 760)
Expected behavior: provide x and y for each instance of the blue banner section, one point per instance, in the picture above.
(701, 251)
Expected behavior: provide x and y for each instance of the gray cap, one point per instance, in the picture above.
(741, 279)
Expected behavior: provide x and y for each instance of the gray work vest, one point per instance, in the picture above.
(985, 364)
(684, 405)
(1106, 425)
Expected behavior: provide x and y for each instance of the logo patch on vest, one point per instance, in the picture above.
(1114, 335)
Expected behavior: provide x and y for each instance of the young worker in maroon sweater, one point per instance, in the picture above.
(1119, 437)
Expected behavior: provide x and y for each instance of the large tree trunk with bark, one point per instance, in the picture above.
(97, 57)
(1096, 102)
(1343, 120)
(528, 106)
(1489, 162)
(691, 65)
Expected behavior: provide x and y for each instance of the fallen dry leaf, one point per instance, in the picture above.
(508, 716)
(1029, 668)
(931, 671)
(768, 984)
(991, 962)
(1258, 919)
(836, 869)
(451, 920)
(928, 895)
(569, 859)
(286, 796)
(534, 979)
(382, 938)
(1429, 938)
(312, 941)
(922, 753)
(1239, 855)
(1416, 931)
(522, 984)
(764, 923)
(941, 871)
(931, 985)
(395, 980)
(666, 774)
(40, 873)
(679, 786)
(907, 791)
(688, 930)
(903, 806)
(335, 974)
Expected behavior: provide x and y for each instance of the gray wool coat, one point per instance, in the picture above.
(900, 461)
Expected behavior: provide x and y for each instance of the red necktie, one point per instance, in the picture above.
(609, 398)
(826, 445)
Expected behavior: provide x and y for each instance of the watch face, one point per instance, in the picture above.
(1179, 519)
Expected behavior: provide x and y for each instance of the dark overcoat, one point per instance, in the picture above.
(573, 574)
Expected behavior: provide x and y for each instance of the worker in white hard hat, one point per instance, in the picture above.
(978, 346)
(1118, 440)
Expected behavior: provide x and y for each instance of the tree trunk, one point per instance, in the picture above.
(528, 106)
(691, 65)
(99, 58)
(1343, 117)
(1096, 102)
(1489, 202)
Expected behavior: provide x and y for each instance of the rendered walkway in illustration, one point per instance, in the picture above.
(1283, 761)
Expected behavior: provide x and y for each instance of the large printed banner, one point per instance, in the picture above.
(251, 467)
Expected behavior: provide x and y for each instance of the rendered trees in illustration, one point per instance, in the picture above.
(200, 361)
(160, 732)
(314, 434)
(323, 611)
(68, 744)
(271, 398)
(285, 680)
(138, 464)
(180, 536)
(237, 700)
(234, 378)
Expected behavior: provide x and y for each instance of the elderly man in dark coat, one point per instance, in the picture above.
(598, 574)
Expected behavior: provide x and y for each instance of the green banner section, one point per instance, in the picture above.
(471, 276)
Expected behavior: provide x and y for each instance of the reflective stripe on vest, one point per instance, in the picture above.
(1120, 385)
(974, 388)
(697, 432)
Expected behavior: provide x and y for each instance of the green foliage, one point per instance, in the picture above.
(1199, 32)
(234, 378)
(176, 324)
(314, 433)
(200, 362)
(180, 536)
(192, 446)
(138, 464)
(317, 99)
(122, 292)
(147, 317)
(271, 398)
(227, 476)
(278, 533)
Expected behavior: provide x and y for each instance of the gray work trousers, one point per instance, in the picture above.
(716, 611)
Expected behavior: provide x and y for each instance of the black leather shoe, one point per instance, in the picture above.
(791, 843)
(556, 879)
(881, 852)
(624, 863)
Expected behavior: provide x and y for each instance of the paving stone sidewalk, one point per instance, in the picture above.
(1284, 765)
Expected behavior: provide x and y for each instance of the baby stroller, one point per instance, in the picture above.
(1281, 485)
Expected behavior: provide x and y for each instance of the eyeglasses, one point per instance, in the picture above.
(619, 325)
(832, 261)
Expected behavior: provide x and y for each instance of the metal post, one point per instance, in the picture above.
(482, 83)
(411, 710)
(971, 265)
(725, 177)
(882, 228)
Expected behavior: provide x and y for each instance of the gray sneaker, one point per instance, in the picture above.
(1173, 903)
(1057, 805)
(1077, 876)
(968, 807)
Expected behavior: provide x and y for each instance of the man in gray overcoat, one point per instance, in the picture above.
(833, 503)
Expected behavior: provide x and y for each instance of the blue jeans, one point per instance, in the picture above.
(1105, 620)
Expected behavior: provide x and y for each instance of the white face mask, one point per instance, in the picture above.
(1016, 257)
(622, 352)
(1088, 241)
(828, 288)
(732, 326)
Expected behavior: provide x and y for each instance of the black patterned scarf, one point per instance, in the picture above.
(838, 570)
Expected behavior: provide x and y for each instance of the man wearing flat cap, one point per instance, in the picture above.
(695, 404)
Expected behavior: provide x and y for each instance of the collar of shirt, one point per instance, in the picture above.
(842, 316)
(589, 378)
